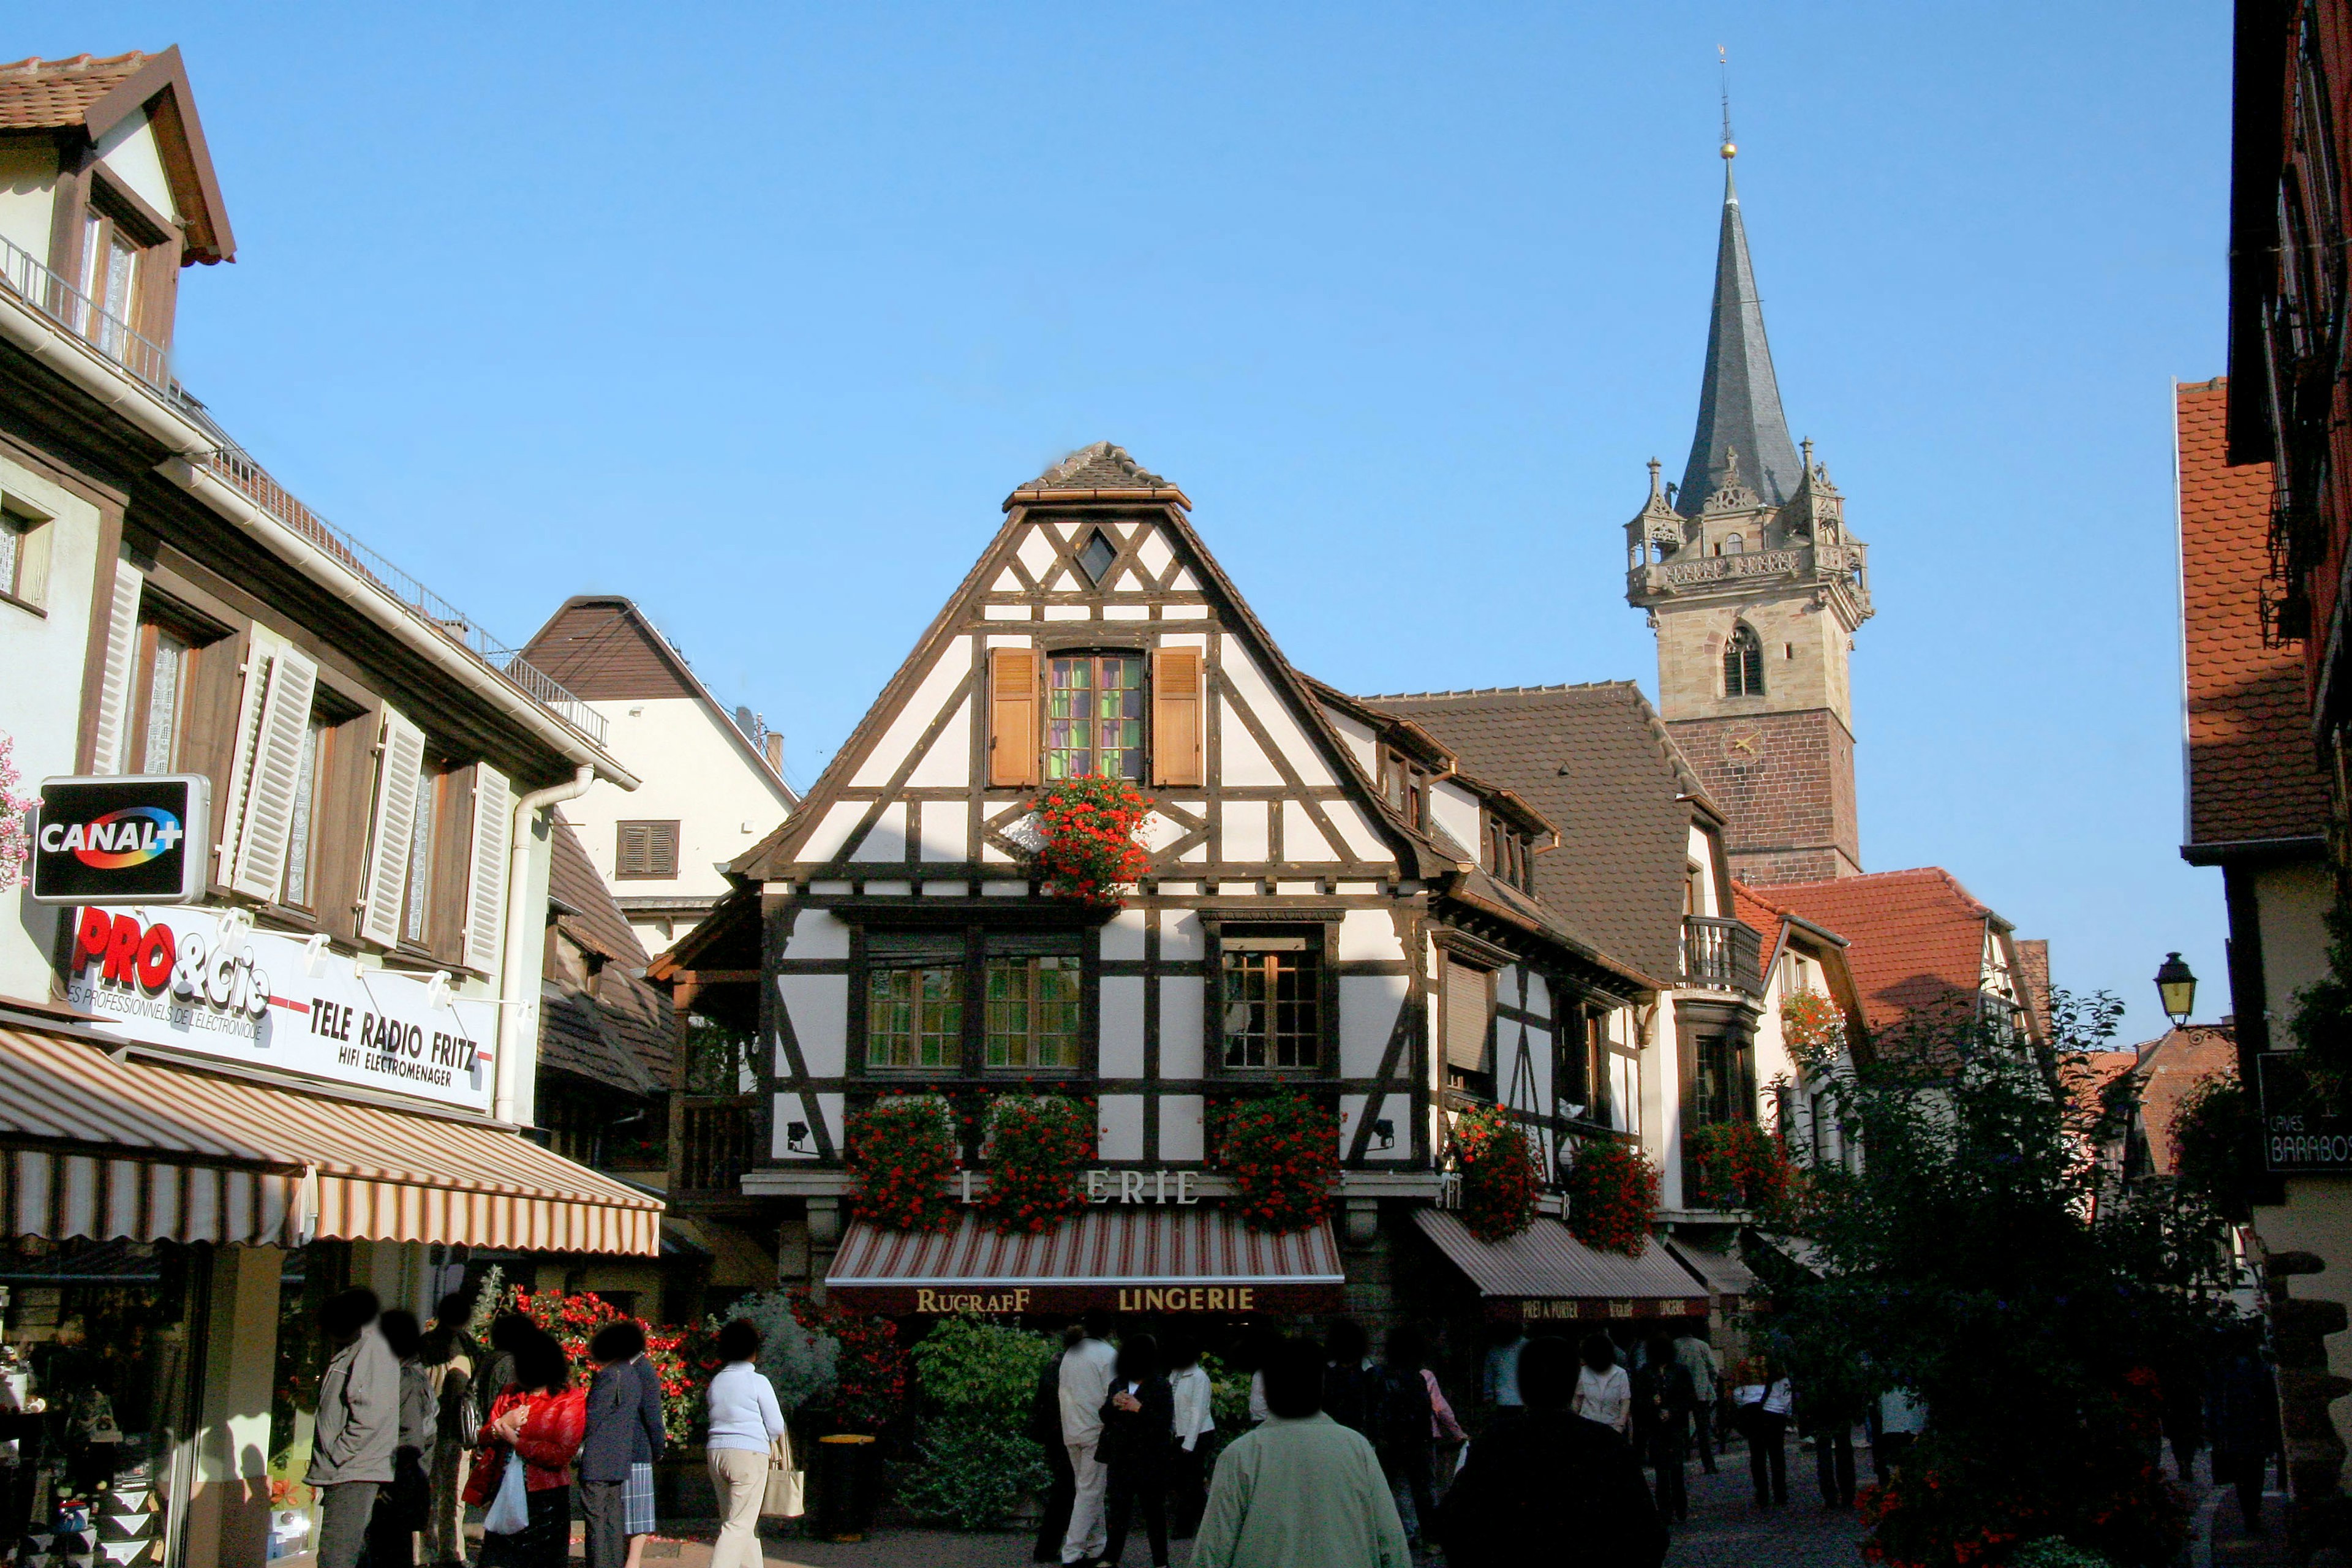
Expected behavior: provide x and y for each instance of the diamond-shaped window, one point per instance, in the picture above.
(1097, 557)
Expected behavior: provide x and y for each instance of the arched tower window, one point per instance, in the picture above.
(1743, 663)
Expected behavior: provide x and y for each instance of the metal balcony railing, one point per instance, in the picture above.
(148, 364)
(1721, 955)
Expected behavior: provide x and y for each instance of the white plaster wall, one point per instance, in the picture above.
(692, 772)
(129, 152)
(1701, 853)
(2291, 905)
(40, 707)
(1456, 810)
(28, 177)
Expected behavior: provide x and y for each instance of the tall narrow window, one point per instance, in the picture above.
(913, 1001)
(300, 819)
(1272, 1001)
(1094, 716)
(1711, 1080)
(1469, 1011)
(1743, 663)
(167, 664)
(1034, 1000)
(414, 920)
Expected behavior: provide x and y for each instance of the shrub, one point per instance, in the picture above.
(575, 1320)
(1611, 1194)
(974, 1474)
(981, 1371)
(2215, 1135)
(1740, 1164)
(1283, 1153)
(1500, 1176)
(1089, 827)
(1037, 1143)
(902, 1149)
(869, 1386)
(797, 1360)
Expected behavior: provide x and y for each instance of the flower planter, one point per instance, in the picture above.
(847, 1476)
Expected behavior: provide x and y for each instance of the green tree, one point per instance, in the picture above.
(1980, 1258)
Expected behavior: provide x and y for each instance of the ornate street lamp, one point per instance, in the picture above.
(2178, 988)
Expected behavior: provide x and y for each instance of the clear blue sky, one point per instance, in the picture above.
(755, 313)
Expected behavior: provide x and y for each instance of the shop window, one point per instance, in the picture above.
(913, 1001)
(1035, 997)
(645, 849)
(1094, 716)
(1273, 1002)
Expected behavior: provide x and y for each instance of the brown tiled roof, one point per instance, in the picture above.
(1100, 468)
(2172, 1067)
(1915, 939)
(2253, 774)
(2033, 979)
(1596, 762)
(43, 95)
(589, 916)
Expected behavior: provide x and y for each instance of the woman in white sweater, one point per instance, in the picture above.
(744, 1420)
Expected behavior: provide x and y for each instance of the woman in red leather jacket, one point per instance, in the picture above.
(540, 1418)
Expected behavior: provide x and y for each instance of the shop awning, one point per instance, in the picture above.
(94, 1147)
(1726, 1279)
(1545, 1273)
(1128, 1259)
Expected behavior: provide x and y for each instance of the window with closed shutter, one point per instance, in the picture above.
(1468, 1009)
(645, 849)
(1013, 717)
(1176, 716)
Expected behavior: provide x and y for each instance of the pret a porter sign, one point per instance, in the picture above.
(130, 840)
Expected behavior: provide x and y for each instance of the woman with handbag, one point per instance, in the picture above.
(524, 1471)
(745, 1422)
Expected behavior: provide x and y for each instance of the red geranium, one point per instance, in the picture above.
(574, 1320)
(1612, 1192)
(1036, 1145)
(1283, 1151)
(870, 1375)
(1089, 826)
(902, 1149)
(1740, 1164)
(1500, 1172)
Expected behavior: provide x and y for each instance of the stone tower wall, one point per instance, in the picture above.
(1789, 791)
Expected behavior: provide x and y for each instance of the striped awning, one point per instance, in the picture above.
(94, 1147)
(1727, 1279)
(1143, 1260)
(1546, 1273)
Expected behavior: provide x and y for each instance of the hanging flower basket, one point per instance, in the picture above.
(902, 1149)
(1740, 1164)
(1814, 1029)
(1612, 1192)
(1282, 1153)
(1088, 850)
(1500, 1175)
(1037, 1143)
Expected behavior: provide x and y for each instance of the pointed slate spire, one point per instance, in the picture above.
(1741, 429)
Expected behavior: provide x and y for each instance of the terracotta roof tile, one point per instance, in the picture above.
(40, 95)
(2171, 1070)
(1595, 761)
(2251, 771)
(1915, 939)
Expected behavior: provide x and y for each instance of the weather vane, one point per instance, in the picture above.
(1723, 63)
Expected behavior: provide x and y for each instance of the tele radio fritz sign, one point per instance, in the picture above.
(136, 840)
(203, 980)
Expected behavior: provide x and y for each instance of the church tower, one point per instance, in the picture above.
(1755, 589)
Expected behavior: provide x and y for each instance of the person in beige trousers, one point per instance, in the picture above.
(744, 1421)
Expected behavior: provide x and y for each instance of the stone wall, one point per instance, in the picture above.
(1785, 781)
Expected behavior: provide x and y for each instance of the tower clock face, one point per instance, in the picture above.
(1744, 746)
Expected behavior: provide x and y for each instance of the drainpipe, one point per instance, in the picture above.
(519, 1017)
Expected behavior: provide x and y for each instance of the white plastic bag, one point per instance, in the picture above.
(510, 1511)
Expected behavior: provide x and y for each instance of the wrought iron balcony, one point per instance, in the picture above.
(1721, 955)
(148, 364)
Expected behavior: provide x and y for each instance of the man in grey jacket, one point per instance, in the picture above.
(357, 1425)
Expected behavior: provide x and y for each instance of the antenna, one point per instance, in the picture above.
(1723, 63)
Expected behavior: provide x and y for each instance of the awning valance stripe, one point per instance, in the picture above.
(1103, 1255)
(215, 1159)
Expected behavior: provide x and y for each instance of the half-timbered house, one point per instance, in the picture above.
(1334, 901)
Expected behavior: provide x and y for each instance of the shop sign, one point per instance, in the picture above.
(1122, 1187)
(137, 839)
(1584, 1309)
(201, 980)
(991, 1298)
(2299, 1132)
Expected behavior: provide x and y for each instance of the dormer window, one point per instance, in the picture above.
(1095, 557)
(111, 267)
(1508, 853)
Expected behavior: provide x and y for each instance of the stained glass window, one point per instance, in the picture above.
(1094, 716)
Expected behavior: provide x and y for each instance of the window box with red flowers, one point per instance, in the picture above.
(1500, 1174)
(1741, 1165)
(902, 1151)
(1086, 829)
(1036, 1145)
(1612, 1192)
(1282, 1151)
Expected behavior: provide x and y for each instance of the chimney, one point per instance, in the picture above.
(776, 751)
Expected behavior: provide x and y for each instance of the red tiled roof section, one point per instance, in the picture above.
(1916, 937)
(2170, 1071)
(1753, 911)
(2253, 774)
(41, 95)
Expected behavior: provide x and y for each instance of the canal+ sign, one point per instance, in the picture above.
(137, 839)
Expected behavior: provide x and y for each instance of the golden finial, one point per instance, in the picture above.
(1723, 63)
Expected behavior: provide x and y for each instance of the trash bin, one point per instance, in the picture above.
(845, 1486)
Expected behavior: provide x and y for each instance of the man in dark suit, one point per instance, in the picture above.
(623, 1437)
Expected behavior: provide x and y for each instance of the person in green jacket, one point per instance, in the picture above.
(1301, 1490)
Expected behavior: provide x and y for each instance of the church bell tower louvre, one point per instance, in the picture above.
(1755, 589)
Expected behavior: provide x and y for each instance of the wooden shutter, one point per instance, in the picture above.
(121, 664)
(644, 849)
(485, 877)
(268, 763)
(664, 848)
(1176, 716)
(398, 761)
(1466, 1012)
(1012, 728)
